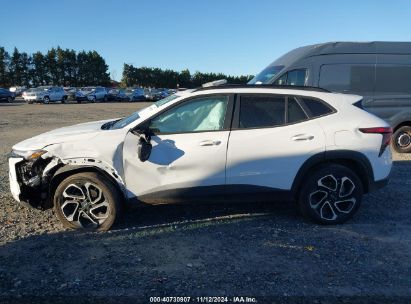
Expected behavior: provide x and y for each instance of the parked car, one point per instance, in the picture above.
(160, 94)
(149, 94)
(125, 95)
(18, 91)
(91, 94)
(222, 143)
(71, 93)
(6, 95)
(379, 71)
(138, 94)
(45, 94)
(112, 94)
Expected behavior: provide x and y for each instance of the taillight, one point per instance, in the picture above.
(386, 133)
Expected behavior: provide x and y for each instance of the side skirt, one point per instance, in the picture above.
(215, 194)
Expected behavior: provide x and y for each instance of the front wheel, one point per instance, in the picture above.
(331, 194)
(87, 201)
(46, 100)
(401, 140)
(9, 99)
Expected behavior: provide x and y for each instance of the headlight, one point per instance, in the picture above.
(28, 155)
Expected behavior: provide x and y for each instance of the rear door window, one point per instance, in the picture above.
(261, 111)
(294, 112)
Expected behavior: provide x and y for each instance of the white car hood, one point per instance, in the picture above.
(66, 134)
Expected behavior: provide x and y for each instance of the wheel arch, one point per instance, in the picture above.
(67, 170)
(403, 124)
(353, 160)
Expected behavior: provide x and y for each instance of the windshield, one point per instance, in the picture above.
(266, 76)
(119, 124)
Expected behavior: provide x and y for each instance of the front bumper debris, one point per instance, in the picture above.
(27, 183)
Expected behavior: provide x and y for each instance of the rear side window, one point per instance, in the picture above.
(393, 79)
(355, 78)
(294, 112)
(261, 111)
(316, 107)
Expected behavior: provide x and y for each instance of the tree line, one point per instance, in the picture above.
(159, 78)
(63, 67)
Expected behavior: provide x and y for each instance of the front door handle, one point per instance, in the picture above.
(210, 142)
(301, 137)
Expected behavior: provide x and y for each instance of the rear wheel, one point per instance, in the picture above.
(93, 99)
(9, 99)
(401, 140)
(46, 100)
(87, 201)
(64, 99)
(332, 194)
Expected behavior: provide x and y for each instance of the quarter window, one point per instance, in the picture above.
(316, 107)
(261, 111)
(197, 115)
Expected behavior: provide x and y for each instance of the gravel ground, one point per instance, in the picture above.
(255, 249)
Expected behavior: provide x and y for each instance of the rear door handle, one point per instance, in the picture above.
(300, 137)
(210, 142)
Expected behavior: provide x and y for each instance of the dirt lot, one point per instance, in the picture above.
(250, 249)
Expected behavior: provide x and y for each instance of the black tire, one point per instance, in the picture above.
(93, 100)
(64, 99)
(29, 101)
(94, 182)
(78, 101)
(323, 197)
(401, 140)
(9, 99)
(46, 100)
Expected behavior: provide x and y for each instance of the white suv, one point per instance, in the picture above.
(45, 94)
(217, 143)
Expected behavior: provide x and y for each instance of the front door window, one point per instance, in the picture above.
(198, 115)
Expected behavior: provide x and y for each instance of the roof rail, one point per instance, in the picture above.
(265, 86)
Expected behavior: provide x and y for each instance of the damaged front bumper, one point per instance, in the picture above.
(27, 183)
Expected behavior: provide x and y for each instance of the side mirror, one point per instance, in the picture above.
(144, 143)
(144, 148)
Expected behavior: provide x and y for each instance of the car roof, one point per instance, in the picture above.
(342, 47)
(329, 97)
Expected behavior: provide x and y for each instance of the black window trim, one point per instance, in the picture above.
(227, 119)
(236, 117)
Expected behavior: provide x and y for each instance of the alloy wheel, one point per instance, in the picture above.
(333, 197)
(85, 205)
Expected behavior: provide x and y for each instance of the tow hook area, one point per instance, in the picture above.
(33, 183)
